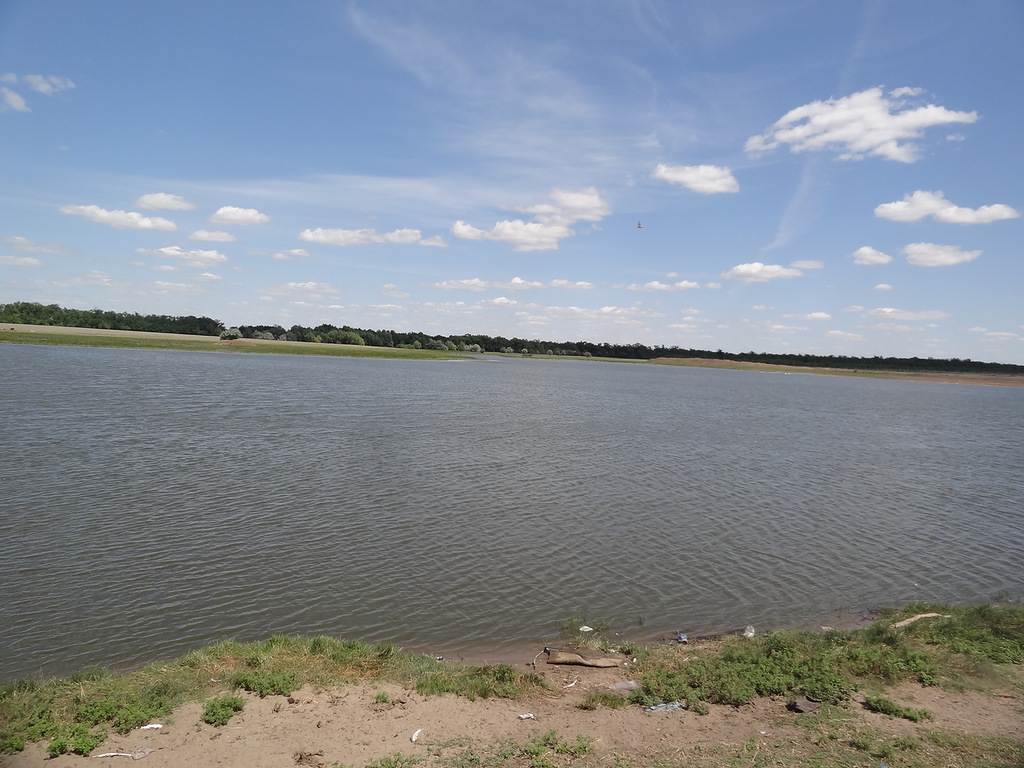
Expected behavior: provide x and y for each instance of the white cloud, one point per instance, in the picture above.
(862, 124)
(48, 84)
(469, 284)
(515, 284)
(888, 313)
(814, 316)
(883, 287)
(807, 264)
(290, 254)
(14, 100)
(551, 225)
(207, 236)
(578, 285)
(20, 261)
(390, 289)
(165, 268)
(655, 285)
(931, 255)
(844, 335)
(706, 179)
(229, 215)
(157, 201)
(28, 246)
(119, 219)
(853, 308)
(756, 272)
(194, 258)
(867, 255)
(205, 276)
(348, 237)
(435, 241)
(1002, 335)
(503, 301)
(568, 207)
(920, 204)
(524, 235)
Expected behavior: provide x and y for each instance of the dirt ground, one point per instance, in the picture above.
(349, 726)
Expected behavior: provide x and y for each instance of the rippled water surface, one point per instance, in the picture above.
(152, 501)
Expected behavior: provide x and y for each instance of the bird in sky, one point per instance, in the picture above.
(639, 225)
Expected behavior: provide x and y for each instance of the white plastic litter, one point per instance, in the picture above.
(527, 716)
(585, 628)
(150, 727)
(416, 735)
(138, 754)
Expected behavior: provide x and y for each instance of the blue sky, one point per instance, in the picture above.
(814, 177)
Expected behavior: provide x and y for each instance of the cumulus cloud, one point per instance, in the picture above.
(883, 287)
(157, 201)
(20, 261)
(918, 205)
(866, 255)
(889, 313)
(119, 219)
(229, 215)
(348, 237)
(552, 221)
(194, 258)
(756, 272)
(655, 285)
(931, 255)
(207, 236)
(290, 254)
(706, 179)
(28, 246)
(860, 125)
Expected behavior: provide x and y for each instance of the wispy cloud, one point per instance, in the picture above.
(157, 201)
(194, 258)
(350, 237)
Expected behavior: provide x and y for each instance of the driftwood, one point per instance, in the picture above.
(912, 619)
(584, 656)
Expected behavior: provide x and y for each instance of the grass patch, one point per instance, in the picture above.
(604, 699)
(68, 710)
(830, 666)
(889, 707)
(220, 710)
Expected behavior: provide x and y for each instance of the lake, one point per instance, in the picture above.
(152, 502)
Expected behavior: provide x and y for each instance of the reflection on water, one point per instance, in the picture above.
(156, 501)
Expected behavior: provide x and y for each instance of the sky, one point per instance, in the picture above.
(795, 176)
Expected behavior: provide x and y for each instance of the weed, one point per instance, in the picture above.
(889, 707)
(265, 683)
(397, 760)
(220, 710)
(77, 739)
(606, 699)
(382, 698)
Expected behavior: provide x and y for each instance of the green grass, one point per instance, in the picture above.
(830, 666)
(68, 710)
(220, 710)
(213, 344)
(889, 707)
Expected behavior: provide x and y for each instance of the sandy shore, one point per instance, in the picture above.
(352, 727)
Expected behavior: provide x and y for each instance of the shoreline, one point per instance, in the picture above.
(138, 339)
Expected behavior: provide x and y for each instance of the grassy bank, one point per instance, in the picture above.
(87, 337)
(952, 648)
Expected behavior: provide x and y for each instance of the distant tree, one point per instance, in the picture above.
(230, 334)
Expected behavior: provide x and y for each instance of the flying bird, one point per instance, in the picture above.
(639, 225)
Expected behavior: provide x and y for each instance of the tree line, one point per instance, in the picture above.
(52, 314)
